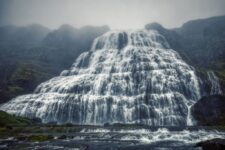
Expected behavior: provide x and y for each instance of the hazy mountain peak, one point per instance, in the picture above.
(104, 27)
(67, 27)
(154, 26)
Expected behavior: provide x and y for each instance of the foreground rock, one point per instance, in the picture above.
(214, 144)
(210, 110)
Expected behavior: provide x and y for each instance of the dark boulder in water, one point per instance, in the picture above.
(214, 144)
(210, 110)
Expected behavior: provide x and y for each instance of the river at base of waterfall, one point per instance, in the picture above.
(99, 138)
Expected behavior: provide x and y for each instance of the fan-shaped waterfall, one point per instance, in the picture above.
(127, 77)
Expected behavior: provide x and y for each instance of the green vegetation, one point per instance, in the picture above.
(7, 120)
(34, 138)
(39, 138)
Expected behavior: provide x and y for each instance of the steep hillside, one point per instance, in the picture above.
(19, 36)
(30, 55)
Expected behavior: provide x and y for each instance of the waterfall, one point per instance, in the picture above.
(126, 77)
(215, 86)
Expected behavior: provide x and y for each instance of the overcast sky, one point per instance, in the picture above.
(118, 14)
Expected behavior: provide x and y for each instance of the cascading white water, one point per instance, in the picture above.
(148, 136)
(215, 86)
(127, 77)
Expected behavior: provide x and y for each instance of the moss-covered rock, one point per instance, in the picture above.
(11, 120)
(39, 138)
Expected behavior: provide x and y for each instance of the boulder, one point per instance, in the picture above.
(214, 144)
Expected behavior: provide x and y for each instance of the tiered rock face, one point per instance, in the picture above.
(127, 77)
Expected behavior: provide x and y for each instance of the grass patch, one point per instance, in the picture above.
(39, 138)
(11, 120)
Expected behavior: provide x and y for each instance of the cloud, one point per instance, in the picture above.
(118, 14)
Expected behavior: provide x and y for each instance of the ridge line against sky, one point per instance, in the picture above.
(118, 14)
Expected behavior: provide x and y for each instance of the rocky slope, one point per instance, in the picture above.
(32, 54)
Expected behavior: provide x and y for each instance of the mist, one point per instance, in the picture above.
(118, 14)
